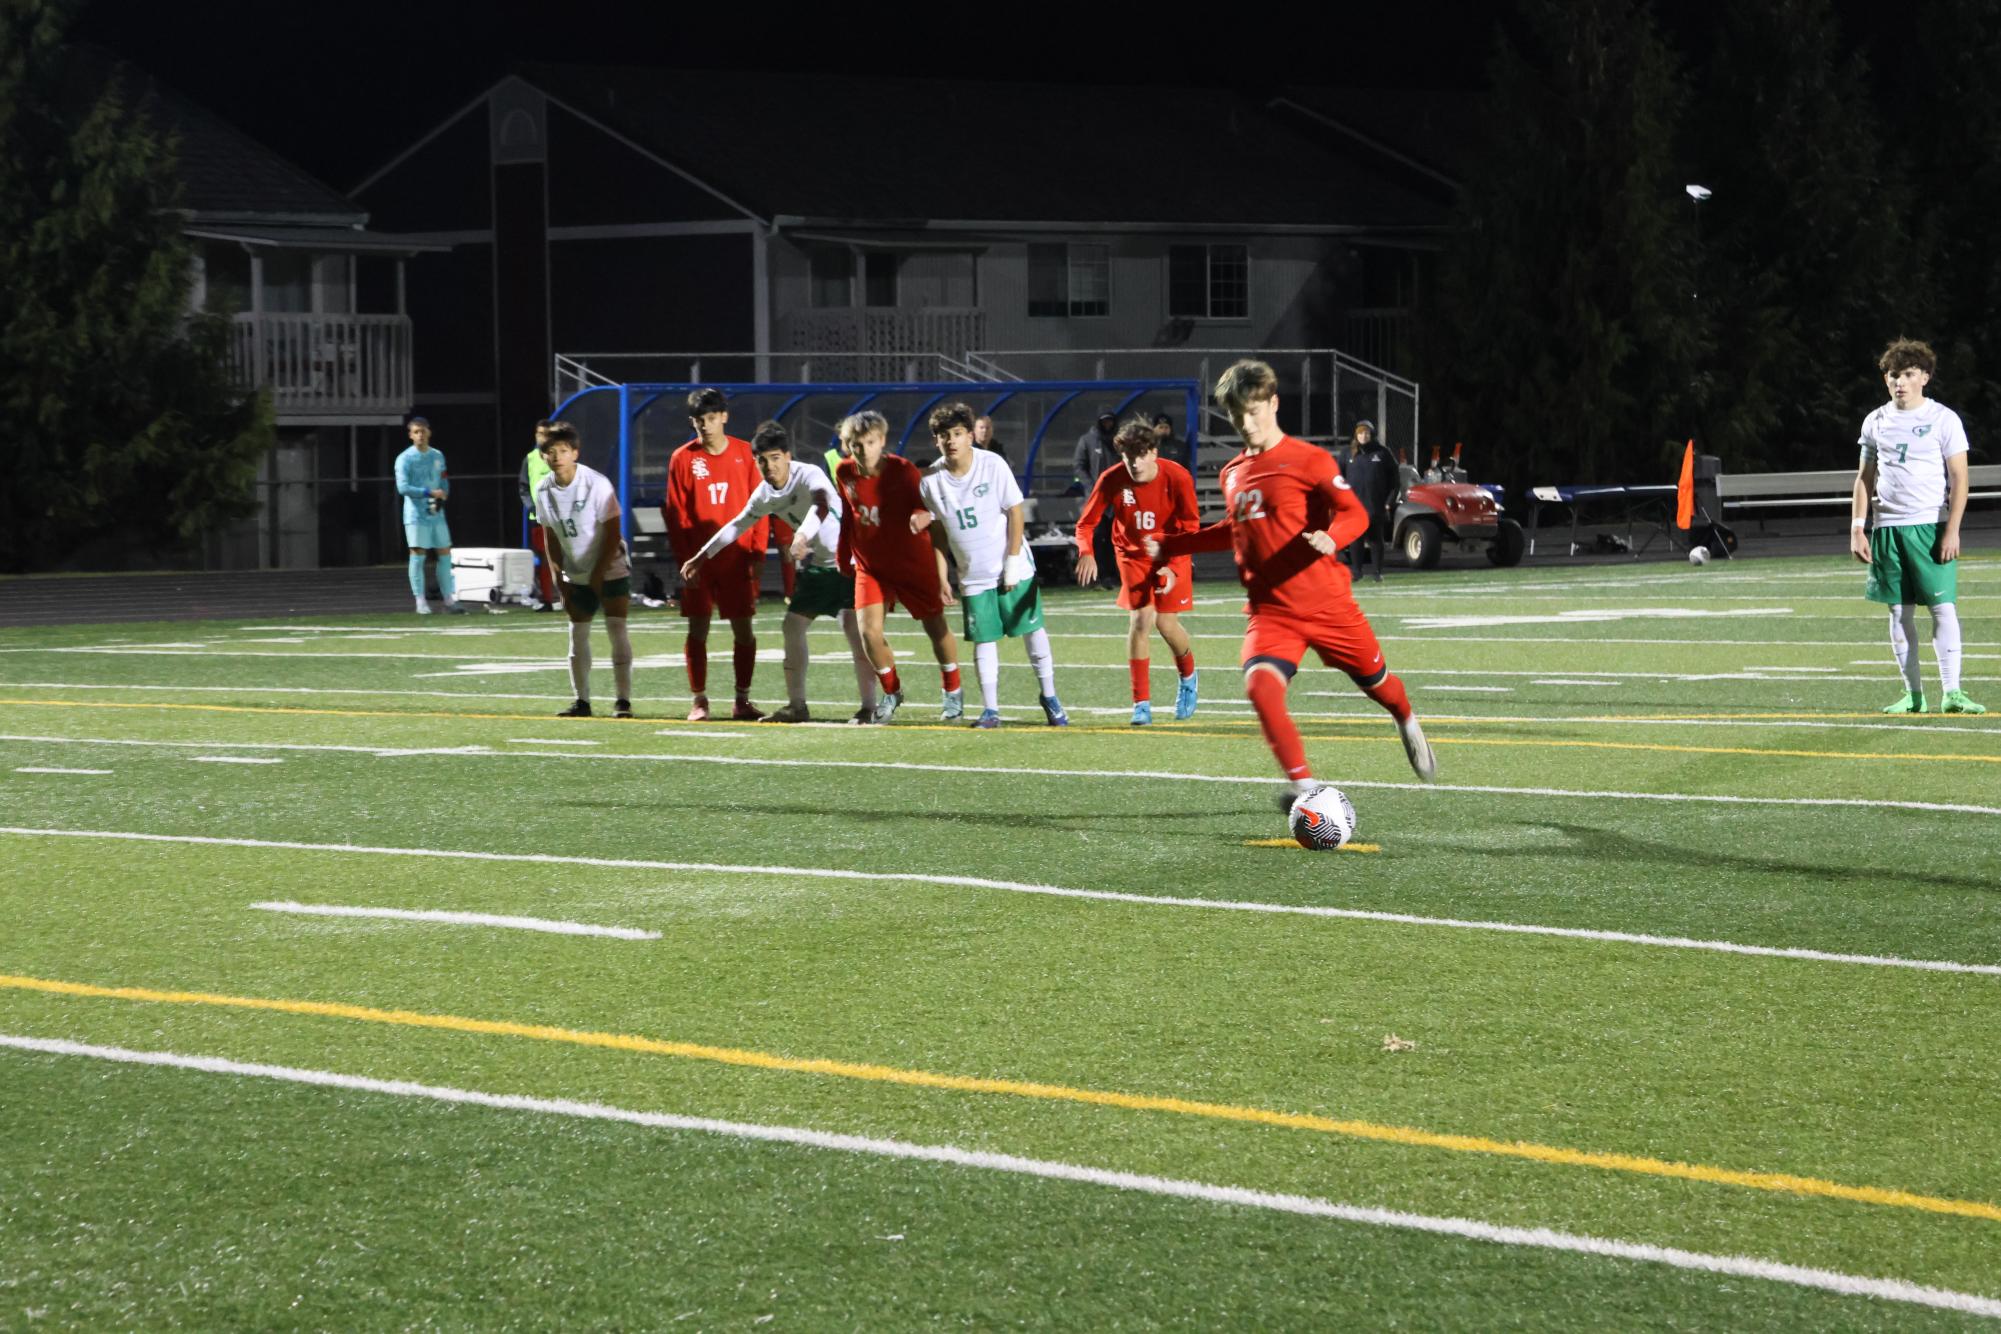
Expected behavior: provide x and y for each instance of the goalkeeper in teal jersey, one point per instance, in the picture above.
(1914, 469)
(423, 483)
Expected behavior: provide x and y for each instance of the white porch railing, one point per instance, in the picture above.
(325, 364)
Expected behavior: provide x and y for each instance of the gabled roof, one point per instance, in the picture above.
(868, 150)
(1433, 132)
(227, 174)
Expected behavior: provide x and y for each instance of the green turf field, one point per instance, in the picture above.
(1692, 957)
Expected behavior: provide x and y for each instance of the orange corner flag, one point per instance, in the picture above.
(1684, 491)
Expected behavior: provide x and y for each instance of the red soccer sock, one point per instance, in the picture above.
(1267, 695)
(1389, 693)
(697, 653)
(744, 658)
(950, 675)
(1142, 688)
(1184, 664)
(890, 684)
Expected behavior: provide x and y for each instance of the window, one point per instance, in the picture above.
(1209, 282)
(879, 278)
(833, 277)
(1069, 280)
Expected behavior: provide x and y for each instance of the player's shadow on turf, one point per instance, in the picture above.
(1605, 847)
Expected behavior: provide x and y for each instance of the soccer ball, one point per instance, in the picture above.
(1698, 555)
(1323, 819)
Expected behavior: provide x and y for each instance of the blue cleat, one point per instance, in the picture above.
(988, 720)
(955, 706)
(1052, 709)
(1143, 713)
(1184, 698)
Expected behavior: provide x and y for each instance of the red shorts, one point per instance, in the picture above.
(727, 586)
(1341, 636)
(1171, 588)
(923, 603)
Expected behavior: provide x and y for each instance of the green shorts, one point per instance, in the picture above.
(585, 601)
(1904, 567)
(819, 591)
(992, 614)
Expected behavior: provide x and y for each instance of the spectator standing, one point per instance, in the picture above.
(1371, 473)
(984, 438)
(533, 469)
(1096, 451)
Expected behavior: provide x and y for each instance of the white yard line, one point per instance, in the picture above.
(551, 741)
(1023, 887)
(907, 766)
(459, 919)
(38, 769)
(234, 759)
(1546, 1239)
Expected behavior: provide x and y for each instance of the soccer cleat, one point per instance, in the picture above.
(791, 713)
(621, 708)
(1415, 748)
(864, 716)
(1292, 792)
(743, 711)
(1911, 702)
(423, 607)
(1957, 702)
(581, 709)
(1143, 713)
(454, 607)
(699, 713)
(886, 707)
(1052, 709)
(955, 706)
(1184, 698)
(988, 720)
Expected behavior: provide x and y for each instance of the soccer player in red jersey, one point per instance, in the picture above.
(891, 558)
(1288, 512)
(1149, 497)
(708, 481)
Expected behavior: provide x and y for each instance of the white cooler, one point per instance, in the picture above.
(494, 574)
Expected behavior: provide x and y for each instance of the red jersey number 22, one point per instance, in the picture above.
(1250, 505)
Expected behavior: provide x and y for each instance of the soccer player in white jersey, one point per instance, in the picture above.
(578, 508)
(803, 496)
(1914, 464)
(976, 514)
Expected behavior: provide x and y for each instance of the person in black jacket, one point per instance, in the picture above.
(1371, 472)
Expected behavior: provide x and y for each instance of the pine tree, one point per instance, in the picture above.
(1565, 325)
(120, 399)
(1807, 262)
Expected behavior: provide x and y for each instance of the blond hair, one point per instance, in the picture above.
(1247, 382)
(860, 424)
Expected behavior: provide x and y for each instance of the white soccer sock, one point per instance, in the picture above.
(1039, 657)
(865, 678)
(1945, 644)
(580, 659)
(795, 658)
(1904, 643)
(621, 655)
(986, 660)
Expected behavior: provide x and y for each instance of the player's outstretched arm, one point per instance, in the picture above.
(1216, 537)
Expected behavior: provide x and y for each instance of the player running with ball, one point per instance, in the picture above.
(975, 512)
(1149, 497)
(1287, 513)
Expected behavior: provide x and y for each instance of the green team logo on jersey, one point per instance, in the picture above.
(1921, 430)
(981, 489)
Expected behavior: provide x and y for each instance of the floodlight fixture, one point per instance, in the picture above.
(1697, 192)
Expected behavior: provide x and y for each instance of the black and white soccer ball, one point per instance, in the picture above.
(1322, 819)
(1698, 555)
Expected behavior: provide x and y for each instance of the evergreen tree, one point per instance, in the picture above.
(1564, 324)
(120, 400)
(1807, 267)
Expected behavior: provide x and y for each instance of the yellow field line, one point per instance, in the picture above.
(884, 1074)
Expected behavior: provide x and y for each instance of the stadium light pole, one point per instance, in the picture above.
(1696, 195)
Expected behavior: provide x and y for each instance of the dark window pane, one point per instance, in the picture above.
(1229, 282)
(879, 278)
(1090, 280)
(1048, 281)
(1188, 281)
(832, 271)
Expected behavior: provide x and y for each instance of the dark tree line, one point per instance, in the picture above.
(1589, 316)
(124, 422)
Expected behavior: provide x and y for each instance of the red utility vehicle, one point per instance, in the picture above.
(1441, 508)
